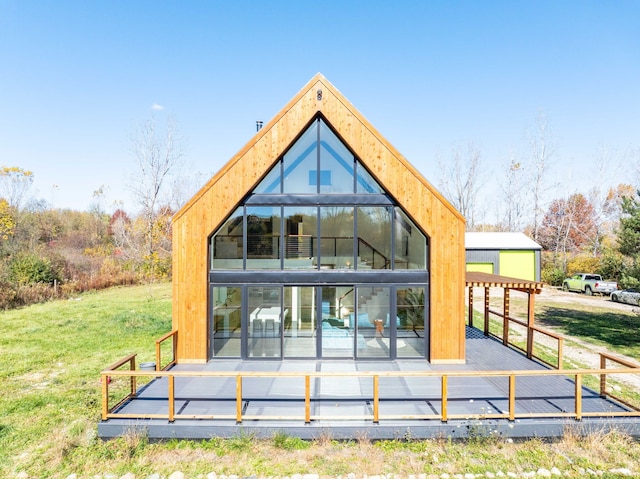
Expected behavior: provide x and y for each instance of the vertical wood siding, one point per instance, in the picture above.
(203, 214)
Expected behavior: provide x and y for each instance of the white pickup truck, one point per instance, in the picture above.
(589, 284)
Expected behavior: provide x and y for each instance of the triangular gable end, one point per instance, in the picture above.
(197, 220)
(268, 144)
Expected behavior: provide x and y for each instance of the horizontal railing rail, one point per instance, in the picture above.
(375, 416)
(529, 349)
(605, 358)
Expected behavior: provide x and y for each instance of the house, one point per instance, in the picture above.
(318, 239)
(510, 254)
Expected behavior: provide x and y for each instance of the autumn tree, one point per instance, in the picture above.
(567, 226)
(15, 183)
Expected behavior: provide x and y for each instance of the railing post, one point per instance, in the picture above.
(238, 399)
(307, 399)
(132, 379)
(560, 353)
(530, 322)
(444, 398)
(174, 344)
(376, 399)
(578, 397)
(172, 398)
(105, 396)
(470, 313)
(486, 311)
(512, 397)
(603, 376)
(158, 356)
(505, 318)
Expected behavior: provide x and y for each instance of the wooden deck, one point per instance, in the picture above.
(403, 403)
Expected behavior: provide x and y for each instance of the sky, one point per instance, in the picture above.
(77, 78)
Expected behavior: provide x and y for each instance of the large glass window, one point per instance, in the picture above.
(338, 325)
(301, 164)
(411, 308)
(300, 322)
(318, 261)
(227, 242)
(410, 244)
(226, 321)
(374, 237)
(337, 163)
(336, 237)
(301, 237)
(374, 322)
(265, 321)
(263, 237)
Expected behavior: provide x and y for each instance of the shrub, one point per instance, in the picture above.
(29, 268)
(583, 263)
(553, 275)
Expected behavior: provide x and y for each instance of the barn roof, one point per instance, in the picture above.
(499, 240)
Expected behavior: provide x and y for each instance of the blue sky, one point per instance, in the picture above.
(77, 77)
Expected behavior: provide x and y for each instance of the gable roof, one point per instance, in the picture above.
(499, 240)
(430, 211)
(320, 96)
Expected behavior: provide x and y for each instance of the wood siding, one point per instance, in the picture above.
(203, 214)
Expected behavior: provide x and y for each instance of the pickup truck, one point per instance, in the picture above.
(589, 284)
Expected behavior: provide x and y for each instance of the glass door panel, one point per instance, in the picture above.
(264, 321)
(225, 319)
(411, 326)
(374, 328)
(300, 322)
(337, 326)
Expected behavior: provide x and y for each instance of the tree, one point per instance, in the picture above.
(629, 232)
(158, 155)
(515, 199)
(462, 179)
(542, 150)
(568, 225)
(14, 185)
(7, 221)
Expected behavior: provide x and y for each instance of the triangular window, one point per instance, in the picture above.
(318, 163)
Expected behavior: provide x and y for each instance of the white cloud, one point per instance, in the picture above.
(157, 107)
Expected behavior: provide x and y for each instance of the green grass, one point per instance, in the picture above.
(51, 356)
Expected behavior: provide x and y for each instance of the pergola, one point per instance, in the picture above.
(531, 288)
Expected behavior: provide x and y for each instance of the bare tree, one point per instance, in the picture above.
(158, 154)
(542, 148)
(513, 193)
(462, 178)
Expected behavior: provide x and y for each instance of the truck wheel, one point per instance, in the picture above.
(565, 287)
(588, 291)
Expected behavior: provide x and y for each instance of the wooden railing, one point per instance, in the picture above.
(505, 337)
(604, 360)
(174, 345)
(511, 414)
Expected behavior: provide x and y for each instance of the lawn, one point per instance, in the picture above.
(50, 359)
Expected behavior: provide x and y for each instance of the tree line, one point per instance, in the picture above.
(50, 253)
(47, 252)
(596, 231)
